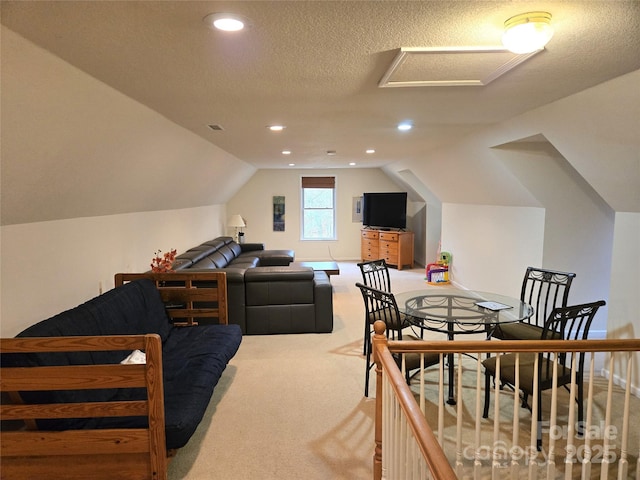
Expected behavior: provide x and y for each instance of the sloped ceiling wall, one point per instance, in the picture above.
(74, 147)
(595, 131)
(598, 132)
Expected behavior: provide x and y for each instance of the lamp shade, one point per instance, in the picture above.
(236, 221)
(527, 32)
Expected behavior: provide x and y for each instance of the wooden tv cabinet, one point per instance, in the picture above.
(396, 247)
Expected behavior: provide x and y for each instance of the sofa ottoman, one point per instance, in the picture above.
(288, 300)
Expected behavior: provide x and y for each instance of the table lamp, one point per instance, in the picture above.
(238, 223)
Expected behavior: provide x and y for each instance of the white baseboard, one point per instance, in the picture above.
(617, 380)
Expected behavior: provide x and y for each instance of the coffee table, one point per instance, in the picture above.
(331, 268)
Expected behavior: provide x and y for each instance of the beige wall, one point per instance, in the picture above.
(73, 146)
(127, 180)
(254, 202)
(505, 241)
(48, 267)
(624, 321)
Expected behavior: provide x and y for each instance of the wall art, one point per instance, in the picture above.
(278, 213)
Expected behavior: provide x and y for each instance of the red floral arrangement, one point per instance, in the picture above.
(164, 263)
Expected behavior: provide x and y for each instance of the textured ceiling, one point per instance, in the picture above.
(315, 67)
(450, 66)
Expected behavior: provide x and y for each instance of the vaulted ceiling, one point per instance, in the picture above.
(315, 66)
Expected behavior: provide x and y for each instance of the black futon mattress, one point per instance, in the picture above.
(193, 358)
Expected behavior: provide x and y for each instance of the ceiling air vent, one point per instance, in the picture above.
(215, 128)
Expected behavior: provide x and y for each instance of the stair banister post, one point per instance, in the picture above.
(379, 339)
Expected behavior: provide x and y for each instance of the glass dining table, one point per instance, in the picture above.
(455, 311)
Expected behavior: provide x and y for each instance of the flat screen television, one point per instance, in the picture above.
(384, 210)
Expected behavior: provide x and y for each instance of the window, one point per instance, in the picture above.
(318, 208)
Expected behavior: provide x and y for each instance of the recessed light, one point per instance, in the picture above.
(404, 126)
(276, 128)
(371, 150)
(331, 153)
(352, 164)
(227, 22)
(292, 164)
(286, 152)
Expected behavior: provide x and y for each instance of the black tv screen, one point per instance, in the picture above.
(384, 210)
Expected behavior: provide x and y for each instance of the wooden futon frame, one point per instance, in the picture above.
(138, 453)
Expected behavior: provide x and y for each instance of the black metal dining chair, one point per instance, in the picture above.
(544, 290)
(381, 305)
(375, 274)
(564, 323)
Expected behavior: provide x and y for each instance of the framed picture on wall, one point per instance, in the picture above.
(278, 213)
(356, 209)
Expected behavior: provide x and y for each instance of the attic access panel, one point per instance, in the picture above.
(450, 66)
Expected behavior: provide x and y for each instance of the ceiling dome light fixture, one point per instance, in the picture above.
(404, 126)
(527, 32)
(227, 22)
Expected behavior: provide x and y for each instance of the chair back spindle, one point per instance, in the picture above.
(544, 290)
(375, 273)
(382, 306)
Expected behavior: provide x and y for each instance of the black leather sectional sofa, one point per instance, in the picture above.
(266, 294)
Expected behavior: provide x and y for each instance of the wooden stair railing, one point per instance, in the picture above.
(426, 454)
(410, 441)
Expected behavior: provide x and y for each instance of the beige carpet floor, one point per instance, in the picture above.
(292, 406)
